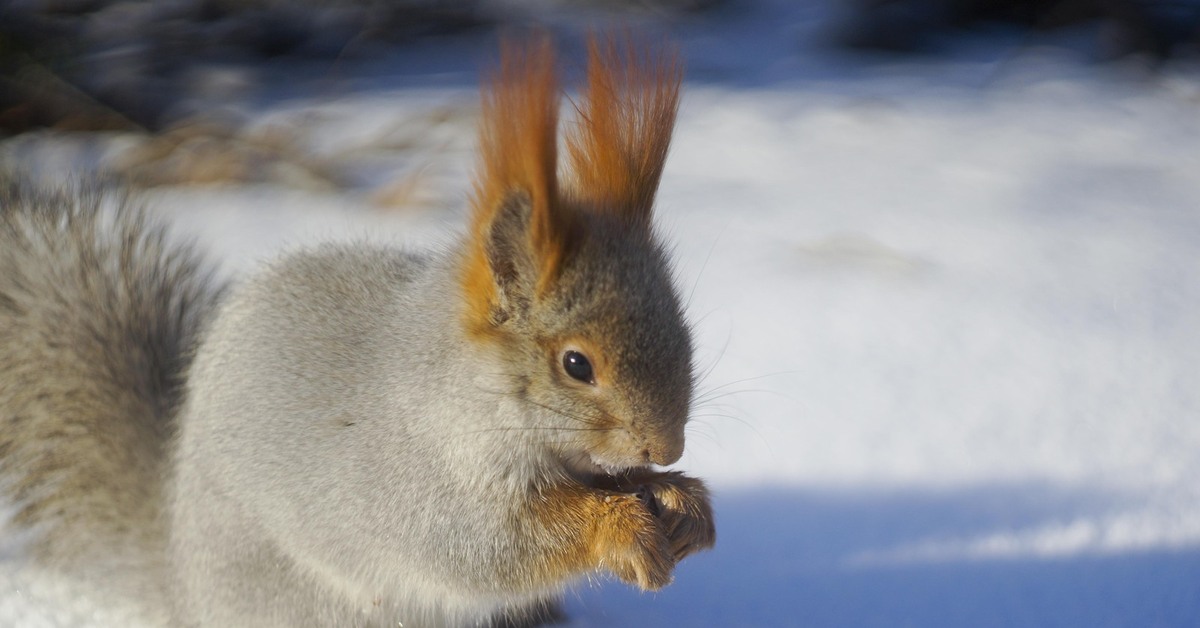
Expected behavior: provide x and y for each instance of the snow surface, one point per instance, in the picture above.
(946, 308)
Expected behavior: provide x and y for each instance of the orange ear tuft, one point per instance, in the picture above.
(518, 158)
(625, 123)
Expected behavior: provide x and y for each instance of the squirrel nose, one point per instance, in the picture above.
(666, 452)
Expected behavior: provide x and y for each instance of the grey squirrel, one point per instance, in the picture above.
(360, 435)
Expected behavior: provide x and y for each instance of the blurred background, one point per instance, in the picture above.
(943, 257)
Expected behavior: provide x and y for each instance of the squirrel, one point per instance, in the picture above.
(359, 434)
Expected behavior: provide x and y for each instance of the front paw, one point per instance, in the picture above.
(632, 544)
(682, 505)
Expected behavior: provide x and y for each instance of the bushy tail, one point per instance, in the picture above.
(98, 315)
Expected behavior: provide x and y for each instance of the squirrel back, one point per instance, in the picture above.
(98, 316)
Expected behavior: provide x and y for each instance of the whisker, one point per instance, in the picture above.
(731, 417)
(747, 379)
(523, 428)
(708, 440)
(709, 396)
(721, 354)
(707, 432)
(562, 413)
(704, 264)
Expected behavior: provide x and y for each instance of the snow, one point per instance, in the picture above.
(946, 308)
(964, 321)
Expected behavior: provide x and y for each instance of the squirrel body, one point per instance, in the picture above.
(311, 447)
(360, 435)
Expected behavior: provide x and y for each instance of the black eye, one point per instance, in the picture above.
(577, 366)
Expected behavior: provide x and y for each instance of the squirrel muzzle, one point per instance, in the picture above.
(665, 449)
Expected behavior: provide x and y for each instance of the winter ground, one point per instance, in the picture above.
(947, 308)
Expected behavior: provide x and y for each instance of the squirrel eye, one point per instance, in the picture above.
(577, 366)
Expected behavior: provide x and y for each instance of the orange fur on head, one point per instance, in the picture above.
(616, 154)
(625, 124)
(518, 144)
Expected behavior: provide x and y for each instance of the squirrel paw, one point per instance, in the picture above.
(681, 504)
(633, 544)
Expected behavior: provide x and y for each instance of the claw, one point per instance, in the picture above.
(646, 496)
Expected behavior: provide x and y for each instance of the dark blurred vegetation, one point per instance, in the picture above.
(176, 78)
(107, 64)
(129, 64)
(1159, 28)
(122, 64)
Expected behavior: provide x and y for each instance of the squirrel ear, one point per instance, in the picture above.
(513, 267)
(625, 122)
(518, 174)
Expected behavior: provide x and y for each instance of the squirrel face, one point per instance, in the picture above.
(616, 353)
(603, 350)
(569, 280)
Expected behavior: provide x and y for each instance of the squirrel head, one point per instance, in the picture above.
(568, 280)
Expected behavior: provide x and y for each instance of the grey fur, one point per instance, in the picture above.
(355, 457)
(347, 454)
(97, 317)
